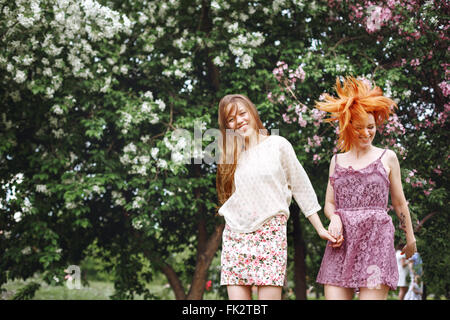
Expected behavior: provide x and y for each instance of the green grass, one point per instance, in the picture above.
(102, 290)
(96, 290)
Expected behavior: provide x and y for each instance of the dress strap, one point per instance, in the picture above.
(382, 154)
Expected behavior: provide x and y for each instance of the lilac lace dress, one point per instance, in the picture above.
(366, 258)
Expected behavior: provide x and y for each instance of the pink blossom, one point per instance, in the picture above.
(300, 73)
(445, 87)
(286, 118)
(378, 17)
(416, 35)
(317, 140)
(392, 3)
(318, 114)
(415, 62)
(302, 122)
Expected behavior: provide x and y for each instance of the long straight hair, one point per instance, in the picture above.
(231, 144)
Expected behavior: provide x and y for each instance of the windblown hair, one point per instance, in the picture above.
(231, 143)
(355, 101)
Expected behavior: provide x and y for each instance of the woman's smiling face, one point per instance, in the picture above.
(366, 131)
(240, 120)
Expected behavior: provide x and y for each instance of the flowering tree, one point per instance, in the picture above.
(93, 93)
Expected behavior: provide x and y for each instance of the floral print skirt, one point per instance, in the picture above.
(256, 258)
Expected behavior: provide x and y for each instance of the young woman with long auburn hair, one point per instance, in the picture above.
(256, 178)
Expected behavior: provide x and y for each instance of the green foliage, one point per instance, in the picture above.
(27, 292)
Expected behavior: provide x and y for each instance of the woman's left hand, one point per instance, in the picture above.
(325, 235)
(409, 249)
(338, 242)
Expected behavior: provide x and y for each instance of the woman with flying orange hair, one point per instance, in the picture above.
(256, 178)
(360, 180)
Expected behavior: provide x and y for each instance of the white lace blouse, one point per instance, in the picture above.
(267, 176)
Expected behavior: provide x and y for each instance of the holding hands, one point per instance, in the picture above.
(335, 230)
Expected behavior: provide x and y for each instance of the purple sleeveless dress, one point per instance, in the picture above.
(366, 258)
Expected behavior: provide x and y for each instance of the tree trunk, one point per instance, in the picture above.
(299, 256)
(174, 282)
(207, 248)
(204, 259)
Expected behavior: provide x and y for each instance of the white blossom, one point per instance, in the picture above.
(70, 205)
(215, 5)
(154, 119)
(18, 216)
(42, 188)
(59, 133)
(246, 61)
(161, 104)
(125, 159)
(154, 152)
(19, 178)
(26, 250)
(232, 28)
(130, 148)
(20, 76)
(26, 205)
(148, 95)
(144, 159)
(237, 51)
(56, 109)
(177, 157)
(24, 21)
(137, 202)
(162, 163)
(146, 107)
(218, 62)
(137, 224)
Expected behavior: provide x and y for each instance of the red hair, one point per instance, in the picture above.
(355, 101)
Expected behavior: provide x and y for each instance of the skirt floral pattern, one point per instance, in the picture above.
(256, 258)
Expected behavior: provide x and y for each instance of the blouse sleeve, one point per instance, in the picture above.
(298, 181)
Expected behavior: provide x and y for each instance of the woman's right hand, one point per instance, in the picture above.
(335, 230)
(325, 235)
